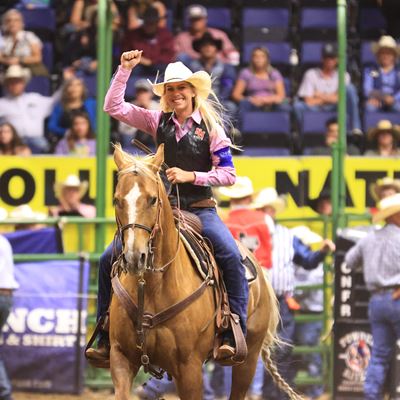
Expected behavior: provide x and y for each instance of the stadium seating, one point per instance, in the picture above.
(318, 22)
(265, 152)
(367, 57)
(218, 17)
(39, 84)
(372, 118)
(371, 23)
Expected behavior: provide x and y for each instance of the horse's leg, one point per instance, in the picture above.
(242, 375)
(122, 373)
(189, 383)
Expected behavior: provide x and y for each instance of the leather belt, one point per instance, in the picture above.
(385, 289)
(6, 292)
(205, 203)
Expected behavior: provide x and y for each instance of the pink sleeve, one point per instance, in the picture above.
(223, 172)
(115, 105)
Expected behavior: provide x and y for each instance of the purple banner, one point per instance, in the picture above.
(44, 337)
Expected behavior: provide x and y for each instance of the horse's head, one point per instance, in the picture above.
(137, 205)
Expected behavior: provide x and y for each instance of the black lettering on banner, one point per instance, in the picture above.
(84, 175)
(370, 177)
(396, 175)
(29, 187)
(298, 192)
(49, 181)
(327, 185)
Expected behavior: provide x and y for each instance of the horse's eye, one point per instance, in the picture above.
(153, 201)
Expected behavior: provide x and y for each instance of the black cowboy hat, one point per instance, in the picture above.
(325, 194)
(207, 38)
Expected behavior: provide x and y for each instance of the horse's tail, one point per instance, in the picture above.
(271, 339)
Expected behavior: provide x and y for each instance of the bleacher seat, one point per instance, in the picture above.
(40, 20)
(39, 84)
(265, 24)
(314, 122)
(372, 118)
(320, 22)
(91, 84)
(310, 52)
(279, 53)
(218, 17)
(47, 55)
(371, 23)
(367, 56)
(265, 152)
(270, 122)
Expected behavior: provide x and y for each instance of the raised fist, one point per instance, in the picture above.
(129, 59)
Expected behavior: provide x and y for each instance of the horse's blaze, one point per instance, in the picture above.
(131, 201)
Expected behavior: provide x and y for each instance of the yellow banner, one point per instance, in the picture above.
(31, 180)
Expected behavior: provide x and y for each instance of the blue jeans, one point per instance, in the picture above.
(384, 316)
(308, 334)
(226, 254)
(353, 112)
(5, 385)
(282, 354)
(38, 145)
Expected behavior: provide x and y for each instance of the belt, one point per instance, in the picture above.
(385, 289)
(6, 292)
(205, 203)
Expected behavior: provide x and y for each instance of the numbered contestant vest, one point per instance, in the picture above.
(191, 153)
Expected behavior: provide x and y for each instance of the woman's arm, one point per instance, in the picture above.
(35, 57)
(238, 90)
(76, 18)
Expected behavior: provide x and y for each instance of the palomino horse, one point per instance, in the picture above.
(181, 344)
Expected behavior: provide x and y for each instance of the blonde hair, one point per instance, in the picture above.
(7, 14)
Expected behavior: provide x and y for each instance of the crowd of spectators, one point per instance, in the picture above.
(65, 122)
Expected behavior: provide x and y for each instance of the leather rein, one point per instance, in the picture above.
(143, 320)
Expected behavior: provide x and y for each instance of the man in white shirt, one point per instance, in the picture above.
(7, 285)
(26, 111)
(319, 90)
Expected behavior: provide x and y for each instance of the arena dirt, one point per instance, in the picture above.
(86, 395)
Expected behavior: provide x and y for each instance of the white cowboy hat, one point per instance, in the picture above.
(269, 197)
(381, 184)
(384, 125)
(3, 214)
(178, 72)
(306, 235)
(17, 72)
(387, 207)
(241, 188)
(71, 181)
(24, 211)
(386, 42)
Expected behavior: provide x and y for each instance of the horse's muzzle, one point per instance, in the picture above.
(135, 261)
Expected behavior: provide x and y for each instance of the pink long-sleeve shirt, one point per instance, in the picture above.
(223, 172)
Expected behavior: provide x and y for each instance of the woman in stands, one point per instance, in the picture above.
(260, 87)
(384, 140)
(73, 99)
(79, 140)
(19, 46)
(10, 143)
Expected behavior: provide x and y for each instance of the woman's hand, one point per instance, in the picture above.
(129, 59)
(177, 175)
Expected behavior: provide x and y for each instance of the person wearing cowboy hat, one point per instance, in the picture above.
(384, 187)
(69, 193)
(382, 83)
(384, 139)
(378, 255)
(288, 251)
(33, 108)
(198, 154)
(24, 211)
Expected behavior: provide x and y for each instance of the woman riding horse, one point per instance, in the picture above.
(197, 152)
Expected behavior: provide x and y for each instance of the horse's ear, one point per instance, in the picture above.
(119, 157)
(158, 157)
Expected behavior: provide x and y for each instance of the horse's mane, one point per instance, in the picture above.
(135, 164)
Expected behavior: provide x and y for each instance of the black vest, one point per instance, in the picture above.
(191, 153)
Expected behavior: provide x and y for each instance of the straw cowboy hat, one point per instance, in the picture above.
(3, 214)
(242, 188)
(384, 125)
(387, 207)
(381, 184)
(269, 197)
(72, 181)
(24, 211)
(178, 72)
(17, 72)
(306, 235)
(386, 42)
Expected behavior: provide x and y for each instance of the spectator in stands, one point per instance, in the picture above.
(73, 99)
(260, 87)
(287, 251)
(384, 140)
(26, 111)
(382, 83)
(322, 204)
(79, 139)
(69, 193)
(10, 143)
(310, 302)
(7, 286)
(196, 14)
(24, 211)
(136, 9)
(20, 47)
(378, 255)
(144, 99)
(157, 44)
(223, 74)
(384, 187)
(331, 137)
(319, 90)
